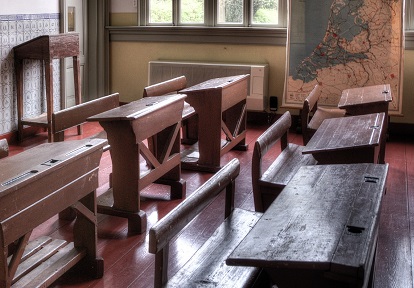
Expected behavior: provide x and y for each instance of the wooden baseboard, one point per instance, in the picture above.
(401, 129)
(12, 137)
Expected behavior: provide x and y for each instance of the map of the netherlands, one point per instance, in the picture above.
(343, 44)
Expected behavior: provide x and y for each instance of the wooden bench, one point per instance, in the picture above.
(4, 148)
(207, 267)
(268, 184)
(313, 115)
(190, 120)
(76, 115)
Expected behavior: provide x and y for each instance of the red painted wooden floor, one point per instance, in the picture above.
(128, 263)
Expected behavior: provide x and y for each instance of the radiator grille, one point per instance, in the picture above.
(197, 72)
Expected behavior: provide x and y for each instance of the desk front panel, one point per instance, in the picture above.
(45, 180)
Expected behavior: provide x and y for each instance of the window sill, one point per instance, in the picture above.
(227, 35)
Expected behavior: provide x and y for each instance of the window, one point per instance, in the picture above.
(198, 19)
(409, 15)
(191, 12)
(160, 11)
(236, 13)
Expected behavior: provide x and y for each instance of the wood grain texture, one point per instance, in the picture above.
(46, 48)
(220, 104)
(354, 139)
(129, 264)
(324, 213)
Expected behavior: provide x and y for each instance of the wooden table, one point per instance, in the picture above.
(322, 229)
(354, 139)
(35, 185)
(46, 48)
(220, 104)
(128, 126)
(365, 100)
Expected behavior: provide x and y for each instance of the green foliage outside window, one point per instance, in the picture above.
(229, 11)
(160, 11)
(192, 11)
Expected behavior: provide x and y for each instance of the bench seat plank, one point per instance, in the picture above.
(268, 184)
(207, 267)
(51, 269)
(285, 166)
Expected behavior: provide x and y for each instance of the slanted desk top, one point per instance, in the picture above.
(364, 98)
(353, 139)
(325, 221)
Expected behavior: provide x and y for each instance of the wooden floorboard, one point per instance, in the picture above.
(127, 262)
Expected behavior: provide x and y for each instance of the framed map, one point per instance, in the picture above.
(342, 44)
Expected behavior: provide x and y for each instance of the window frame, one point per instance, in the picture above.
(210, 15)
(209, 33)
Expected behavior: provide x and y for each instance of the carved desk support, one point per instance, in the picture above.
(127, 127)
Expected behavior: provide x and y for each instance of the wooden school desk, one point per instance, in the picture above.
(322, 229)
(128, 126)
(220, 104)
(46, 48)
(35, 185)
(354, 139)
(365, 100)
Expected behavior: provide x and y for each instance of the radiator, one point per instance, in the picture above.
(197, 72)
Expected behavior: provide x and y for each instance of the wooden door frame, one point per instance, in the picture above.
(97, 43)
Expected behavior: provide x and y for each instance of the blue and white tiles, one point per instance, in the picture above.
(14, 30)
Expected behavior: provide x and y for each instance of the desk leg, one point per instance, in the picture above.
(190, 130)
(235, 119)
(49, 98)
(19, 86)
(85, 234)
(77, 78)
(123, 199)
(381, 158)
(165, 140)
(4, 279)
(209, 135)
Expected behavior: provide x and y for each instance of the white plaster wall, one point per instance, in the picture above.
(28, 6)
(122, 6)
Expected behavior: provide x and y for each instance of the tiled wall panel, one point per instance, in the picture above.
(14, 30)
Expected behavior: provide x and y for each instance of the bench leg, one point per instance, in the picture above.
(137, 223)
(178, 188)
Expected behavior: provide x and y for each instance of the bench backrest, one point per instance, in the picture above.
(76, 115)
(310, 105)
(171, 224)
(277, 131)
(166, 87)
